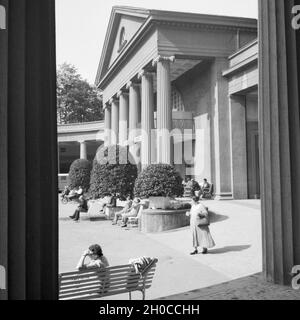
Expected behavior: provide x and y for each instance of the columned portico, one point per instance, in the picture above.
(189, 87)
(114, 121)
(164, 109)
(124, 116)
(107, 125)
(147, 116)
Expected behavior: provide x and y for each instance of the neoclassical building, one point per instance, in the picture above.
(181, 88)
(28, 145)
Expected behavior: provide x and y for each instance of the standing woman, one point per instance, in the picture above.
(199, 221)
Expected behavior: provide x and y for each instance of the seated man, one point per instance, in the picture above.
(107, 200)
(75, 194)
(132, 213)
(205, 188)
(125, 210)
(83, 207)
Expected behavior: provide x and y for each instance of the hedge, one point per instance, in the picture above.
(112, 173)
(79, 174)
(158, 180)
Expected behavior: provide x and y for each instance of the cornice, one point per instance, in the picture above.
(176, 19)
(203, 26)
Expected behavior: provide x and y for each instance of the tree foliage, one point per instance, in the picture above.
(158, 180)
(79, 174)
(77, 100)
(113, 173)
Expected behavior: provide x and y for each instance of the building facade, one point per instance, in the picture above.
(181, 89)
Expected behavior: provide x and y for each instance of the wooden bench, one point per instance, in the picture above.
(90, 284)
(133, 222)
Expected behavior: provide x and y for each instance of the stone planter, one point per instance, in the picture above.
(161, 203)
(155, 221)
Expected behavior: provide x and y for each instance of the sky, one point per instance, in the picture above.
(81, 24)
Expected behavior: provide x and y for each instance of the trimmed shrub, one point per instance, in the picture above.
(112, 173)
(79, 174)
(158, 180)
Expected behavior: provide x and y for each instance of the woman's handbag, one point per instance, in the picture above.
(204, 221)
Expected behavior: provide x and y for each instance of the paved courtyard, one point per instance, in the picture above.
(236, 228)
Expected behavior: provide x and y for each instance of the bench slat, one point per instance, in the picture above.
(84, 271)
(124, 279)
(93, 282)
(99, 279)
(97, 296)
(111, 279)
(95, 275)
(108, 284)
(130, 287)
(98, 272)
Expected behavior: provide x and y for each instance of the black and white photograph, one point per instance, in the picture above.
(149, 151)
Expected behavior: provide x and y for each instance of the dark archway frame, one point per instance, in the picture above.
(28, 146)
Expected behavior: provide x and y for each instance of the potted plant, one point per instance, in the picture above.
(111, 174)
(159, 183)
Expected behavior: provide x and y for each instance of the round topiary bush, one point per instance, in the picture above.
(113, 173)
(158, 180)
(79, 174)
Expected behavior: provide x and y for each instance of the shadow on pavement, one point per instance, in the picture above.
(229, 249)
(214, 217)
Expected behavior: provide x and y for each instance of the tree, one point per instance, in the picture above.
(79, 174)
(77, 100)
(112, 173)
(158, 180)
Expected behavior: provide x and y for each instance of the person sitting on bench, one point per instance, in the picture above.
(97, 259)
(132, 213)
(82, 207)
(205, 189)
(75, 194)
(125, 210)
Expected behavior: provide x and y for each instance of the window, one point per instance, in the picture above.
(122, 41)
(177, 102)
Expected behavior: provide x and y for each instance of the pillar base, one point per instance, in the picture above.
(224, 196)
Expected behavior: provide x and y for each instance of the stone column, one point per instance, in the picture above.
(107, 125)
(221, 169)
(147, 116)
(83, 151)
(114, 121)
(28, 140)
(279, 100)
(134, 109)
(58, 158)
(164, 109)
(238, 146)
(124, 117)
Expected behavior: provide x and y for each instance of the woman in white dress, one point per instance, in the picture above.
(201, 234)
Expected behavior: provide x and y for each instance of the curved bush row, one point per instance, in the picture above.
(114, 172)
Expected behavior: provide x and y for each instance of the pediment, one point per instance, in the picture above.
(124, 24)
